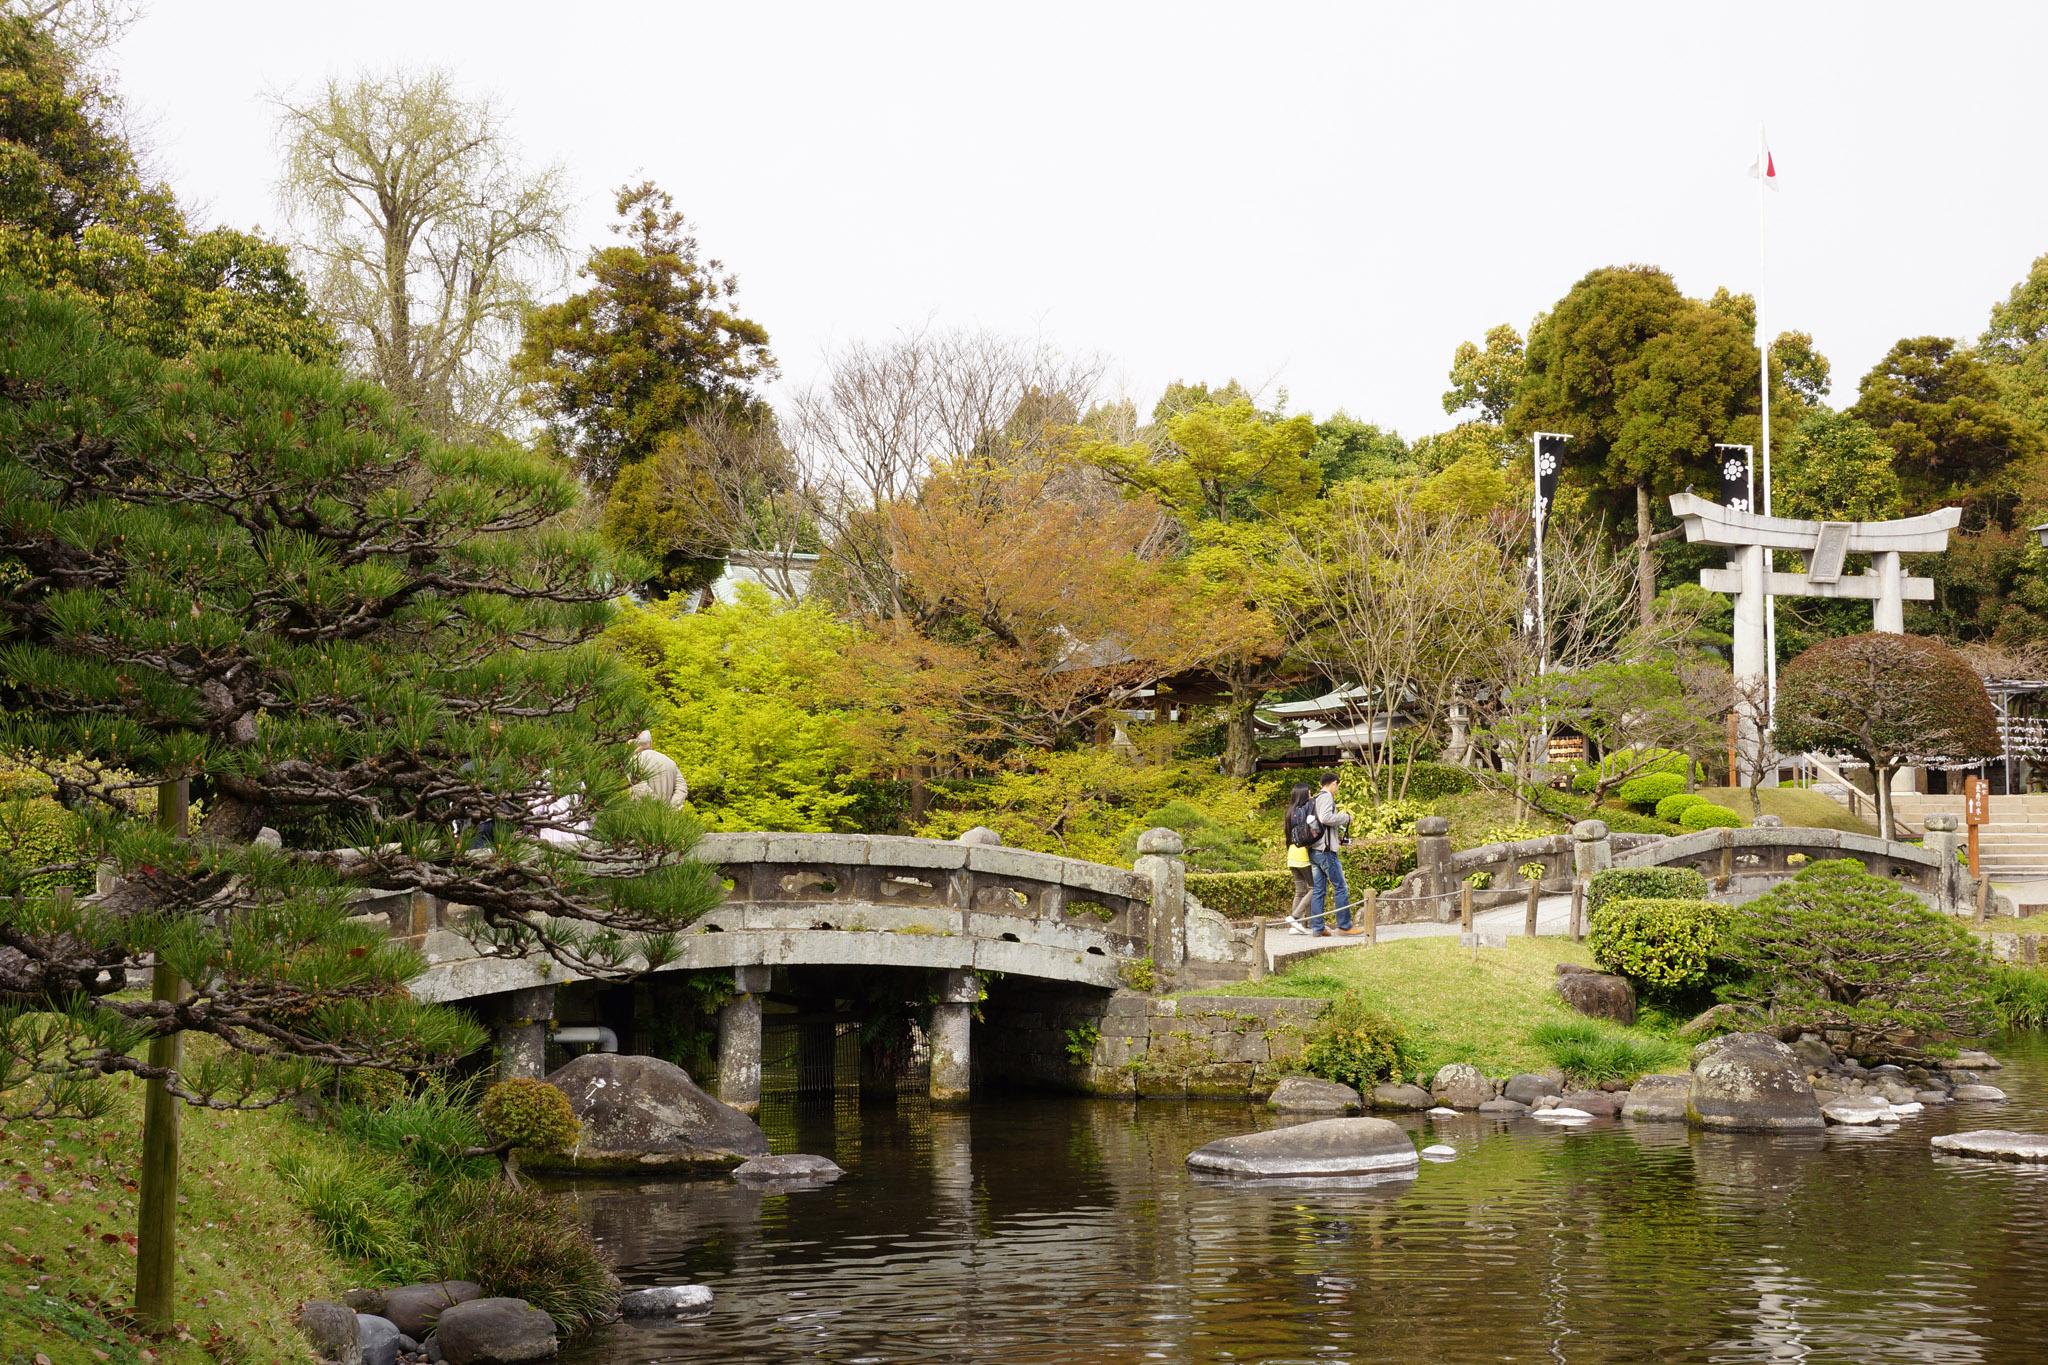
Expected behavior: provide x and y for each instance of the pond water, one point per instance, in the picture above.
(1054, 1229)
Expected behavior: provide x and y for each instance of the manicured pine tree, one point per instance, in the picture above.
(249, 578)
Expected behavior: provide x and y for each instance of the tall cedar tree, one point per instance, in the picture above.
(253, 573)
(1889, 700)
(651, 346)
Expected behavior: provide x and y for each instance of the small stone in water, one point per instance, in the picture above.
(1440, 1112)
(668, 1298)
(1978, 1092)
(1562, 1114)
(1438, 1151)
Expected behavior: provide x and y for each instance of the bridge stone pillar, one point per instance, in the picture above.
(952, 1028)
(1433, 864)
(522, 1032)
(739, 1041)
(1159, 860)
(1591, 851)
(1952, 882)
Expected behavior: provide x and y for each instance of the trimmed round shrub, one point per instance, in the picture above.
(1707, 815)
(1666, 947)
(1644, 883)
(530, 1113)
(1356, 1045)
(1645, 791)
(1671, 807)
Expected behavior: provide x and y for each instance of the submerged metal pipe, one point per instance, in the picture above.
(604, 1038)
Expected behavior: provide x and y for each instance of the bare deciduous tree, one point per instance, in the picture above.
(86, 27)
(427, 236)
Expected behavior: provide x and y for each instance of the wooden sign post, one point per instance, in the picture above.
(1976, 810)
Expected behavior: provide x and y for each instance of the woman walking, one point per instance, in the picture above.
(1299, 803)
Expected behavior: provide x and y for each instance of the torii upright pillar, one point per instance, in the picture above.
(1826, 546)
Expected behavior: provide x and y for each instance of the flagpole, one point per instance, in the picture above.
(1763, 350)
(1542, 628)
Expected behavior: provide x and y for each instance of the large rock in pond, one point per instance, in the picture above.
(1461, 1086)
(1658, 1098)
(1311, 1095)
(641, 1113)
(1751, 1083)
(1598, 995)
(496, 1332)
(416, 1307)
(1528, 1087)
(794, 1169)
(1398, 1096)
(1998, 1144)
(1322, 1149)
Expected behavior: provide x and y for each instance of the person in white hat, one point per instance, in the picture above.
(660, 778)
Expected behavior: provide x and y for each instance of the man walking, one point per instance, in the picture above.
(659, 776)
(1323, 859)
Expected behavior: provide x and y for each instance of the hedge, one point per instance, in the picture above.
(1707, 815)
(1645, 791)
(1666, 946)
(1644, 883)
(1429, 781)
(1671, 807)
(1378, 863)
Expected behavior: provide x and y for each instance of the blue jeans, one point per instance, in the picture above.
(1329, 873)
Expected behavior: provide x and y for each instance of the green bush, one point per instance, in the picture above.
(1645, 791)
(1378, 863)
(1244, 895)
(1590, 1052)
(1211, 845)
(1707, 815)
(1839, 951)
(1356, 1045)
(1644, 883)
(530, 1114)
(364, 1209)
(1667, 947)
(1623, 821)
(428, 1130)
(1677, 804)
(519, 1242)
(1388, 819)
(35, 832)
(1433, 781)
(1586, 776)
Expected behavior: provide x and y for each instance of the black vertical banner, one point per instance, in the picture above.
(1549, 459)
(1734, 465)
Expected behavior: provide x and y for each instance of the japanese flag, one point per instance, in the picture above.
(1764, 167)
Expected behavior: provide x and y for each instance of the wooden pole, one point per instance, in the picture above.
(1734, 773)
(1529, 917)
(156, 1250)
(1372, 915)
(1465, 908)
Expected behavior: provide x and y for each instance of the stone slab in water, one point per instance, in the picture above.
(1563, 1113)
(1977, 1092)
(1657, 1098)
(664, 1300)
(1997, 1144)
(1857, 1110)
(1313, 1095)
(1751, 1083)
(1322, 1149)
(792, 1169)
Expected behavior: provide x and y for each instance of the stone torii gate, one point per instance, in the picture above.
(1826, 545)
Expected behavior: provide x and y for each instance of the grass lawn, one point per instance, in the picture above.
(1462, 1007)
(245, 1255)
(1798, 807)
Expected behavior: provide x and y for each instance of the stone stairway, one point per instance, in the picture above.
(2013, 846)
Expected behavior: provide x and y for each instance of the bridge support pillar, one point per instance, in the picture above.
(1952, 880)
(739, 1041)
(1159, 860)
(952, 1030)
(522, 1032)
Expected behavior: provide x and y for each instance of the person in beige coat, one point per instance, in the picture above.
(659, 776)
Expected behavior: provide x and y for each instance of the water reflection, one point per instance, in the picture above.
(1067, 1230)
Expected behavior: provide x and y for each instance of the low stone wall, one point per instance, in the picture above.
(1130, 1044)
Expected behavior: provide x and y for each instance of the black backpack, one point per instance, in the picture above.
(1303, 829)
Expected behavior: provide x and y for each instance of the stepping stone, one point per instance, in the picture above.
(1324, 1148)
(1437, 1151)
(1562, 1114)
(1856, 1111)
(1978, 1092)
(1997, 1144)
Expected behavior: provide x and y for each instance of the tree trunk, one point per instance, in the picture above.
(1240, 738)
(1646, 563)
(1885, 829)
(156, 1244)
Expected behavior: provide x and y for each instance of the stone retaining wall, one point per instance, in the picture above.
(1211, 1046)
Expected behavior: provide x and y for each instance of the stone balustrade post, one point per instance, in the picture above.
(1951, 879)
(522, 1032)
(952, 1076)
(1159, 861)
(1592, 851)
(739, 1040)
(1433, 864)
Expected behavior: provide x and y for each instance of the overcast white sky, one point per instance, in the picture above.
(1325, 198)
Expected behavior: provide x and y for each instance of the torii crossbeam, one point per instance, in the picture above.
(1826, 546)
